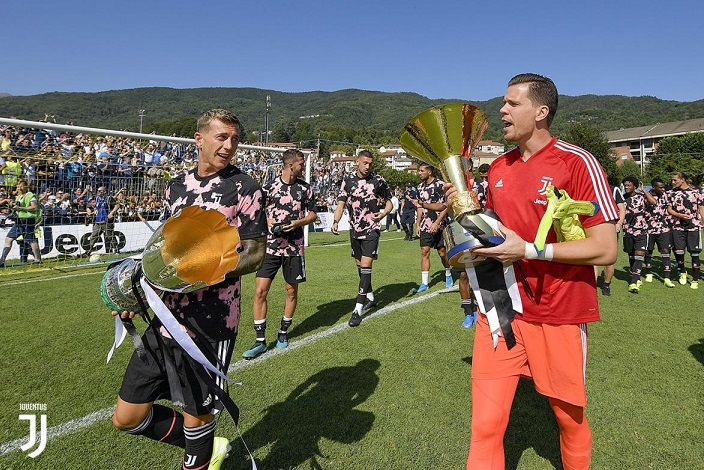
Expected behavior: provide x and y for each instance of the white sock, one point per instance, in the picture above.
(358, 308)
(424, 277)
(370, 296)
(448, 272)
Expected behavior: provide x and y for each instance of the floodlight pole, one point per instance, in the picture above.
(266, 120)
(142, 112)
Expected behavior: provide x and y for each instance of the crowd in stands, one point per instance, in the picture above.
(64, 170)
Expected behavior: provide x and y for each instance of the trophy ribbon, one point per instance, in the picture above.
(496, 295)
(176, 330)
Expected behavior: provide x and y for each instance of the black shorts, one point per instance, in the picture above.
(146, 382)
(368, 247)
(690, 240)
(635, 243)
(293, 267)
(662, 240)
(433, 240)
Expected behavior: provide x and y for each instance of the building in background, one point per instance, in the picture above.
(640, 143)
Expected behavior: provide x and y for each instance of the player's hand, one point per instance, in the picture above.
(450, 193)
(125, 314)
(378, 216)
(333, 229)
(434, 227)
(511, 250)
(289, 227)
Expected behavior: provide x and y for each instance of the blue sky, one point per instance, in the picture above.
(438, 48)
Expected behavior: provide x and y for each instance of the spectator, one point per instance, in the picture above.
(27, 208)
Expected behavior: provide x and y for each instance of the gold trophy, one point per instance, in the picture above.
(191, 250)
(444, 137)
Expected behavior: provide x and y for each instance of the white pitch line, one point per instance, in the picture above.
(67, 276)
(27, 281)
(103, 414)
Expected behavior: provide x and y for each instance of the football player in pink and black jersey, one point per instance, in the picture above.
(432, 218)
(635, 230)
(289, 209)
(687, 208)
(368, 199)
(659, 233)
(210, 315)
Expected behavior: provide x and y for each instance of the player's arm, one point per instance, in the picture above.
(676, 214)
(387, 208)
(621, 215)
(438, 221)
(339, 210)
(308, 219)
(598, 248)
(651, 200)
(251, 256)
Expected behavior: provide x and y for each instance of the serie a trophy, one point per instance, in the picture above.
(445, 137)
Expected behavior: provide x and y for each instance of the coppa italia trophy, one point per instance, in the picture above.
(193, 249)
(444, 137)
(190, 251)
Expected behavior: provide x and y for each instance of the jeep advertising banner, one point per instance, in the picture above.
(73, 240)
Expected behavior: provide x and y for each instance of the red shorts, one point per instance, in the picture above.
(555, 356)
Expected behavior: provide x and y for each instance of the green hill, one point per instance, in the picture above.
(356, 109)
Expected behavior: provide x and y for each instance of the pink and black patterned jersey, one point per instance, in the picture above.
(364, 197)
(657, 218)
(214, 311)
(635, 223)
(430, 193)
(284, 204)
(686, 201)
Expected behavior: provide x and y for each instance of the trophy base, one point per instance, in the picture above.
(116, 287)
(459, 244)
(467, 232)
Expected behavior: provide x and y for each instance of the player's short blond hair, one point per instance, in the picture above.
(222, 115)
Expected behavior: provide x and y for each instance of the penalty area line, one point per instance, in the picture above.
(105, 413)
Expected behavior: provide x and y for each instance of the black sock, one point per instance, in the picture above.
(365, 284)
(162, 424)
(260, 330)
(285, 324)
(695, 267)
(635, 270)
(199, 445)
(680, 262)
(647, 261)
(468, 306)
(666, 264)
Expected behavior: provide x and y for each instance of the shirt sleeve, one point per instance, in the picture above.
(310, 200)
(588, 183)
(250, 211)
(343, 191)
